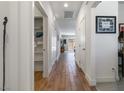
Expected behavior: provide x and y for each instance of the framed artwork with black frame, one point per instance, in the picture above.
(105, 24)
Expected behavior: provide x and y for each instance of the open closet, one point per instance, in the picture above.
(38, 41)
(40, 44)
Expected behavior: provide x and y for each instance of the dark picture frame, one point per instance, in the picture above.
(121, 27)
(105, 24)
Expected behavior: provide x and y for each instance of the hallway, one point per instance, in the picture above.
(65, 75)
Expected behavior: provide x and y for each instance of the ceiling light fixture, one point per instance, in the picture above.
(65, 4)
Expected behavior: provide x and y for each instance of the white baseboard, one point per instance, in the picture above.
(90, 81)
(58, 56)
(105, 79)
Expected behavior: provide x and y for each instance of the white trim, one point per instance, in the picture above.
(45, 45)
(90, 81)
(105, 79)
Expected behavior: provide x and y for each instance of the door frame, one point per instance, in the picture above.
(45, 38)
(83, 47)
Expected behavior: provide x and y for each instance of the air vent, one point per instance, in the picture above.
(68, 14)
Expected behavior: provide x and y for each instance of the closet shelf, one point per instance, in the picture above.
(38, 52)
(38, 28)
(39, 39)
(38, 59)
(39, 43)
(40, 62)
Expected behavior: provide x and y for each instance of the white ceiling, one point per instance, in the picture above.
(66, 26)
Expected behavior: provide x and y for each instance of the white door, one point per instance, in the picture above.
(82, 45)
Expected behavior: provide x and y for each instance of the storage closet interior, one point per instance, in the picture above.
(38, 40)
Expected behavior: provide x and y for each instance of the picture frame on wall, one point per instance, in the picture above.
(105, 24)
(121, 27)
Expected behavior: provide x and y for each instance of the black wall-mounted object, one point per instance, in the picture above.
(64, 41)
(4, 42)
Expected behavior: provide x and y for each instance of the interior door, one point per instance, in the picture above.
(83, 45)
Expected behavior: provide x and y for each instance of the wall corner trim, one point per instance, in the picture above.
(90, 81)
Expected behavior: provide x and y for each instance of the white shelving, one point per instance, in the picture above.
(38, 57)
(38, 52)
(38, 49)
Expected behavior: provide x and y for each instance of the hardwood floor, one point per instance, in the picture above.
(65, 76)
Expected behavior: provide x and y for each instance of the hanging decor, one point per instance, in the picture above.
(4, 42)
(105, 24)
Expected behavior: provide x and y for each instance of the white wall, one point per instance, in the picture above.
(9, 9)
(106, 45)
(4, 11)
(101, 49)
(18, 45)
(121, 13)
(26, 46)
(86, 12)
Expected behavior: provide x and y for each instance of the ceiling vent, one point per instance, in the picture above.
(68, 14)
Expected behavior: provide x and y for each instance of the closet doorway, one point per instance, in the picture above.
(40, 44)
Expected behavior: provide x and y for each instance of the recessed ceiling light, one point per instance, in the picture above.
(65, 4)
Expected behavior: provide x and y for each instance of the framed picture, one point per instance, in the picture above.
(105, 24)
(121, 27)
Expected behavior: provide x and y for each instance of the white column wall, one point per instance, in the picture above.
(106, 45)
(4, 11)
(19, 66)
(87, 12)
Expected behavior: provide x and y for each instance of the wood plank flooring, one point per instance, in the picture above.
(65, 76)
